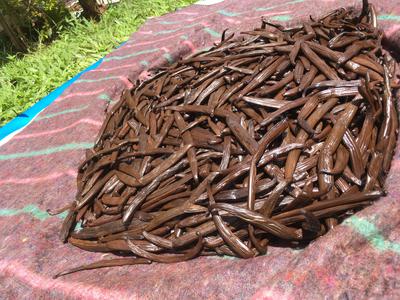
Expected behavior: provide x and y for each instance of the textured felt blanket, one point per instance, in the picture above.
(358, 259)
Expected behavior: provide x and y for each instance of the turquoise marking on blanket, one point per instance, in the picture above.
(105, 97)
(78, 226)
(144, 63)
(176, 29)
(63, 112)
(63, 215)
(389, 18)
(169, 58)
(46, 151)
(168, 22)
(212, 32)
(281, 18)
(205, 48)
(166, 31)
(371, 233)
(131, 55)
(228, 13)
(31, 209)
(278, 5)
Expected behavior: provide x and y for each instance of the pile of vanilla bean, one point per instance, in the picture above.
(273, 137)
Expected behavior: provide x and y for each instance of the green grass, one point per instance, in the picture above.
(23, 81)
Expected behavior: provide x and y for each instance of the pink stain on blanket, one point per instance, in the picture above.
(270, 294)
(392, 30)
(186, 13)
(145, 75)
(18, 271)
(39, 179)
(190, 45)
(127, 82)
(395, 164)
(133, 44)
(79, 94)
(232, 21)
(49, 132)
(118, 68)
(276, 13)
(196, 18)
(123, 79)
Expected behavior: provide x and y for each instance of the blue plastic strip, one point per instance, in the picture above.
(24, 118)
